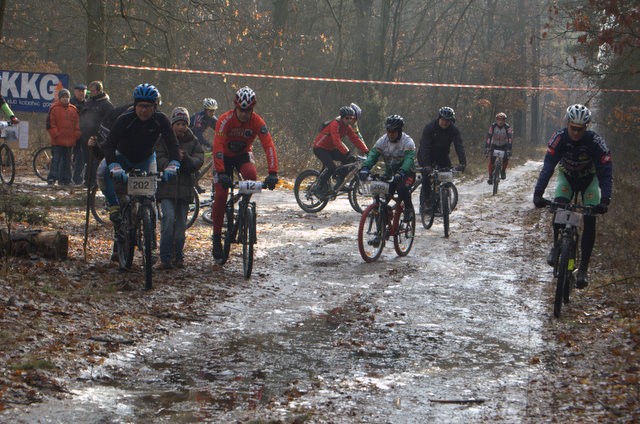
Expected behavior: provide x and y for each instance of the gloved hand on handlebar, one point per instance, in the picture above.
(14, 120)
(539, 201)
(461, 167)
(364, 174)
(426, 171)
(117, 173)
(225, 180)
(399, 177)
(602, 207)
(271, 181)
(171, 171)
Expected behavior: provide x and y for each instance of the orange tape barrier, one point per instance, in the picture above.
(357, 81)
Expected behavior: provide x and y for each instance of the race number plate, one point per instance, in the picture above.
(567, 218)
(249, 187)
(498, 153)
(142, 185)
(378, 187)
(445, 177)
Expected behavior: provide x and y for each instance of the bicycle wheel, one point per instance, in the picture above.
(428, 216)
(371, 236)
(356, 197)
(7, 165)
(404, 234)
(497, 166)
(227, 234)
(445, 200)
(147, 235)
(194, 209)
(98, 206)
(126, 238)
(304, 189)
(248, 235)
(42, 162)
(206, 215)
(453, 196)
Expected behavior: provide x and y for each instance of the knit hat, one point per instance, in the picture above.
(179, 114)
(64, 92)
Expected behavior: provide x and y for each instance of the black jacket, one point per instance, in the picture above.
(435, 146)
(189, 165)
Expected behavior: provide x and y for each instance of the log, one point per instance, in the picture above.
(46, 244)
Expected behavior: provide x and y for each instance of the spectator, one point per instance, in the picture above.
(64, 129)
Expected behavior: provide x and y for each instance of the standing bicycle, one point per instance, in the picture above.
(443, 196)
(7, 159)
(312, 198)
(499, 138)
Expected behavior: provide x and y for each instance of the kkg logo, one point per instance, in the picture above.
(31, 91)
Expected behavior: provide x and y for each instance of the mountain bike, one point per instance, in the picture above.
(7, 159)
(196, 205)
(444, 199)
(137, 227)
(41, 162)
(569, 217)
(312, 198)
(239, 225)
(382, 219)
(497, 168)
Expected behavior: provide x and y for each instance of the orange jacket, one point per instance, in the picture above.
(64, 124)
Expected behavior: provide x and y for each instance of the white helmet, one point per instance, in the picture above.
(357, 110)
(578, 114)
(209, 104)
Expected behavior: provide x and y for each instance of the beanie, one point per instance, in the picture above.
(64, 92)
(179, 114)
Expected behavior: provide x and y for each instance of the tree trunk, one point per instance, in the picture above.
(47, 244)
(96, 41)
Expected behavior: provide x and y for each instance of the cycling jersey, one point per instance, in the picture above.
(199, 124)
(435, 145)
(499, 137)
(330, 138)
(396, 155)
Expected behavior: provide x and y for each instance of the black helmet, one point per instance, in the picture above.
(447, 113)
(346, 111)
(394, 122)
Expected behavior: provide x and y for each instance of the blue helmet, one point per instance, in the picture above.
(147, 93)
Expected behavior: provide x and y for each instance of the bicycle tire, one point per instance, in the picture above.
(356, 197)
(227, 233)
(561, 280)
(41, 162)
(98, 207)
(303, 190)
(497, 166)
(371, 236)
(7, 165)
(453, 196)
(146, 243)
(126, 238)
(570, 252)
(248, 236)
(193, 209)
(206, 216)
(404, 232)
(445, 204)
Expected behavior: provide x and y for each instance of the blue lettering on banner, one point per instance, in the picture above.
(31, 91)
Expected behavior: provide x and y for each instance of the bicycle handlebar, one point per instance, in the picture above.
(574, 207)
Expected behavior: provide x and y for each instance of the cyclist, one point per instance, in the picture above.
(204, 119)
(358, 113)
(499, 137)
(585, 166)
(235, 133)
(398, 150)
(130, 144)
(328, 145)
(176, 195)
(7, 110)
(435, 145)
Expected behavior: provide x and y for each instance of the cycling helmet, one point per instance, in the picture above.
(209, 104)
(447, 113)
(147, 93)
(356, 110)
(501, 115)
(245, 98)
(347, 111)
(394, 122)
(578, 114)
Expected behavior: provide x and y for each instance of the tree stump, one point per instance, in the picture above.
(47, 244)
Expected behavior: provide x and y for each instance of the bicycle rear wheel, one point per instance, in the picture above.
(304, 189)
(146, 243)
(445, 200)
(42, 162)
(98, 206)
(126, 237)
(371, 232)
(7, 165)
(356, 197)
(564, 273)
(194, 209)
(405, 231)
(248, 235)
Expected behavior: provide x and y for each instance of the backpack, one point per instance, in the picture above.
(324, 125)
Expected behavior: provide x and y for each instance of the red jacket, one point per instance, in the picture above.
(64, 124)
(330, 138)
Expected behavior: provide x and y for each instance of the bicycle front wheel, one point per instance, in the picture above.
(146, 243)
(304, 189)
(371, 237)
(564, 273)
(248, 234)
(428, 216)
(497, 166)
(194, 209)
(126, 238)
(98, 206)
(7, 165)
(445, 205)
(405, 231)
(453, 196)
(356, 197)
(42, 162)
